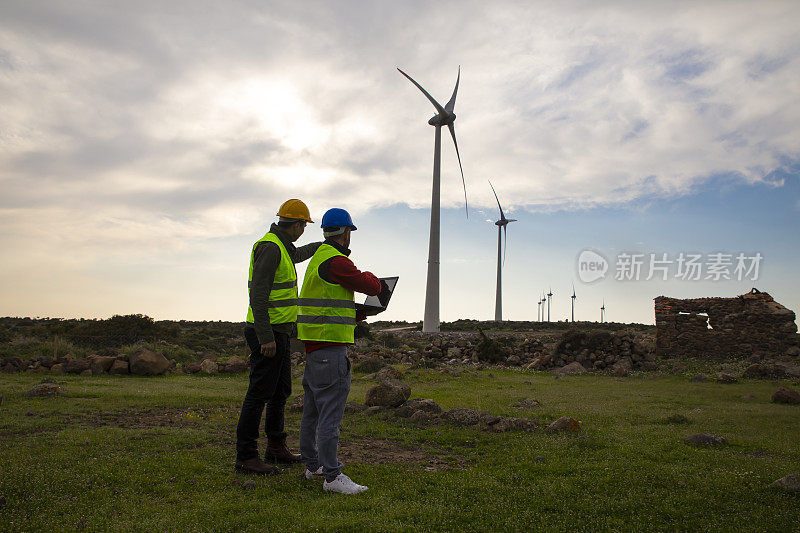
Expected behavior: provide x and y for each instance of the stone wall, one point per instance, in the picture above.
(750, 325)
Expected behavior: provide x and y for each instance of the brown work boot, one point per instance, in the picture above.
(255, 466)
(278, 452)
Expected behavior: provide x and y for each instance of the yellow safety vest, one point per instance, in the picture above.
(283, 296)
(327, 310)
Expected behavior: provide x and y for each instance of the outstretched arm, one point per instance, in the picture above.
(305, 252)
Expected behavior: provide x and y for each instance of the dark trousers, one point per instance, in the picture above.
(270, 385)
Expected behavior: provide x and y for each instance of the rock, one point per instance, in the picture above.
(375, 409)
(236, 365)
(453, 353)
(705, 439)
(564, 423)
(513, 360)
(57, 369)
(748, 396)
(192, 367)
(790, 483)
(723, 377)
(86, 372)
(462, 417)
(207, 366)
(297, 403)
(420, 417)
(514, 424)
(418, 404)
(144, 362)
(101, 364)
(250, 484)
(76, 366)
(572, 368)
(46, 389)
(354, 407)
(625, 363)
(488, 419)
(388, 372)
(388, 393)
(757, 370)
(119, 367)
(620, 372)
(786, 395)
(699, 378)
(527, 403)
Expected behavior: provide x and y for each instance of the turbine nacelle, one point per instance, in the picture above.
(442, 120)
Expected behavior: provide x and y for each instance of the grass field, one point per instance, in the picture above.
(156, 454)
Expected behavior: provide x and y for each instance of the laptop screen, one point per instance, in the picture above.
(382, 299)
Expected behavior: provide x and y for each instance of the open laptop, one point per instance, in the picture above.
(378, 304)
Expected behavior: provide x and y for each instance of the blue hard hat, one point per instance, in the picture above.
(337, 217)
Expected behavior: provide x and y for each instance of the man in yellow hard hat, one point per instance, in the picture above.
(271, 323)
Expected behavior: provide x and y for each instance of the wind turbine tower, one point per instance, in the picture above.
(549, 296)
(501, 224)
(444, 117)
(573, 303)
(539, 311)
(602, 312)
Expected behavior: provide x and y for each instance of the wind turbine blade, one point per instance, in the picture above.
(464, 183)
(502, 216)
(436, 104)
(452, 103)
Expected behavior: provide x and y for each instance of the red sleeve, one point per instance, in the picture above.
(341, 270)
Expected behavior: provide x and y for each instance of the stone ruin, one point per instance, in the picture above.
(752, 325)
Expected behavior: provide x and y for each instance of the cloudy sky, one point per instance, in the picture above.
(145, 145)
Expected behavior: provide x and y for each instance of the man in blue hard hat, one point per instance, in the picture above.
(326, 323)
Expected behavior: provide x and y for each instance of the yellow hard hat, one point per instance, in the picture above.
(295, 209)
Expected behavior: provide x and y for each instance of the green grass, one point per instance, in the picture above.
(156, 454)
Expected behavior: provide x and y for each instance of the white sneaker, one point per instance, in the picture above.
(343, 485)
(308, 474)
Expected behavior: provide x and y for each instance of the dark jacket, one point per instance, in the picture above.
(265, 263)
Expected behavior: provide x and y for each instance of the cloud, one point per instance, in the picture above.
(174, 120)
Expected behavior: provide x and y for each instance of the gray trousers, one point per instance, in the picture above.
(326, 383)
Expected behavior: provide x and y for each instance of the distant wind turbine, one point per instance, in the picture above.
(539, 311)
(444, 117)
(573, 302)
(602, 312)
(549, 296)
(501, 224)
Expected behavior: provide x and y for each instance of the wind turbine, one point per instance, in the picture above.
(539, 311)
(573, 303)
(549, 295)
(602, 311)
(444, 117)
(501, 224)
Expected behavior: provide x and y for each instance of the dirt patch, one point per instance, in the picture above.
(380, 452)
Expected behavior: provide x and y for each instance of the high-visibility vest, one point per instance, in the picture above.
(283, 295)
(327, 310)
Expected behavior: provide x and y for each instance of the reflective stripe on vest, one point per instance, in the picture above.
(283, 295)
(327, 310)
